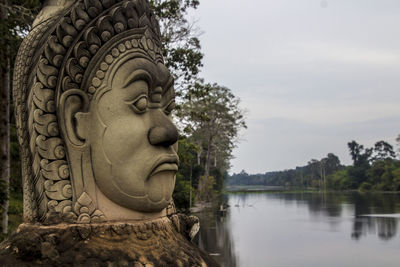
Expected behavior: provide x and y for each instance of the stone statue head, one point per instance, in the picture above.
(93, 105)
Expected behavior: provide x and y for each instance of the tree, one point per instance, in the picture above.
(361, 158)
(4, 114)
(358, 153)
(180, 39)
(188, 172)
(398, 143)
(315, 172)
(15, 19)
(382, 151)
(213, 118)
(329, 165)
(332, 163)
(339, 180)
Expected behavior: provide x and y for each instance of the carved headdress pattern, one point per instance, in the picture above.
(71, 50)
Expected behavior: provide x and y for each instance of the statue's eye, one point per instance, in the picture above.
(140, 104)
(170, 107)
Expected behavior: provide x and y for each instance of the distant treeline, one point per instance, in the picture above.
(312, 175)
(373, 168)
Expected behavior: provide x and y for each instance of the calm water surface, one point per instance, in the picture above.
(304, 229)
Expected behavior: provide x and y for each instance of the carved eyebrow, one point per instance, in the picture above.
(137, 75)
(169, 84)
(169, 87)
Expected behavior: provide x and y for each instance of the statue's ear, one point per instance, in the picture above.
(73, 116)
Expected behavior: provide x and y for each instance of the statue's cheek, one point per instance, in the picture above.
(109, 106)
(123, 139)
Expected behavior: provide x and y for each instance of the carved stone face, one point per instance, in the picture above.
(132, 139)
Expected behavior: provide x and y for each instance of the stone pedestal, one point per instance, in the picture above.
(158, 242)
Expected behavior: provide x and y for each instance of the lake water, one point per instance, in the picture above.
(304, 229)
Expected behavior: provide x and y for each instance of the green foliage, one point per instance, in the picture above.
(182, 50)
(182, 193)
(15, 19)
(370, 165)
(365, 186)
(389, 179)
(20, 15)
(15, 171)
(382, 151)
(15, 213)
(16, 206)
(339, 180)
(188, 174)
(373, 169)
(172, 9)
(396, 179)
(17, 16)
(314, 174)
(212, 119)
(3, 193)
(208, 194)
(187, 152)
(358, 153)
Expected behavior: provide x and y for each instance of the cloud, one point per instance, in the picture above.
(311, 78)
(280, 143)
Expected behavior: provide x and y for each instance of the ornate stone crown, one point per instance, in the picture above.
(71, 50)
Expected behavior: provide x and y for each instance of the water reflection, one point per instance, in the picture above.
(385, 228)
(215, 237)
(260, 226)
(358, 204)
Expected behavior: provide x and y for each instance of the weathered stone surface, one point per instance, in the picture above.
(154, 242)
(93, 109)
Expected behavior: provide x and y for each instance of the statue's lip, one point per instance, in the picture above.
(165, 163)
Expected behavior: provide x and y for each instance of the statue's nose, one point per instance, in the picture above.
(163, 134)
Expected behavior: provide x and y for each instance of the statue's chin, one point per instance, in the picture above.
(148, 206)
(156, 196)
(160, 186)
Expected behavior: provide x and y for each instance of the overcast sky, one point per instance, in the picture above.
(312, 74)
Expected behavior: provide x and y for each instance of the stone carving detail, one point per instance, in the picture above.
(93, 102)
(52, 60)
(87, 211)
(147, 243)
(143, 44)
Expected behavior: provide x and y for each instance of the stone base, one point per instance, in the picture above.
(158, 242)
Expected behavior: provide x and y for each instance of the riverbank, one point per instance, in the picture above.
(283, 189)
(265, 189)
